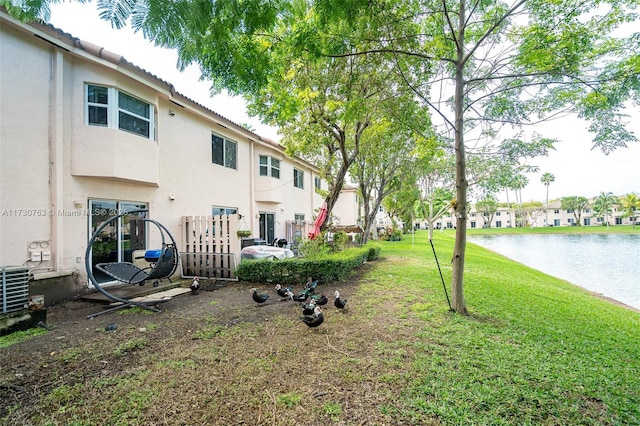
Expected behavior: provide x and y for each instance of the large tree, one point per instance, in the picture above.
(385, 161)
(478, 65)
(576, 205)
(487, 207)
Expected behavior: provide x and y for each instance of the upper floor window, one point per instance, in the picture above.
(223, 152)
(109, 107)
(298, 178)
(269, 166)
(298, 217)
(497, 213)
(316, 182)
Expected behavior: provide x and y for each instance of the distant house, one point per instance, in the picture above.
(86, 133)
(508, 217)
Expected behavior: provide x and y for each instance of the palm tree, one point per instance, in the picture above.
(603, 205)
(546, 179)
(630, 203)
(519, 181)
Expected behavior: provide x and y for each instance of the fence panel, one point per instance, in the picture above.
(210, 246)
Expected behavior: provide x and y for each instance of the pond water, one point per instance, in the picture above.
(603, 263)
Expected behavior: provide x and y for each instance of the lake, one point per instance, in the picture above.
(602, 263)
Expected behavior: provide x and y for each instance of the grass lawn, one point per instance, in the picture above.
(535, 350)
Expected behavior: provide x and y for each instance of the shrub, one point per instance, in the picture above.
(325, 268)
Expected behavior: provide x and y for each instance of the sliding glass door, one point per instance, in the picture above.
(118, 241)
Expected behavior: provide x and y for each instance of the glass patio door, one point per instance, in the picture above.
(267, 226)
(118, 241)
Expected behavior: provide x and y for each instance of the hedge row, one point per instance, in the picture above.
(295, 271)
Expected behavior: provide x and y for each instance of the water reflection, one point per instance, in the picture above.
(603, 263)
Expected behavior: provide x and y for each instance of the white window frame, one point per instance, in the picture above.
(114, 111)
(226, 162)
(269, 166)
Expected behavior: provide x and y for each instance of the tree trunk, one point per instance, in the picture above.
(457, 285)
(546, 209)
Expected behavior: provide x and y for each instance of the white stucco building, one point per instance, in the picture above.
(86, 133)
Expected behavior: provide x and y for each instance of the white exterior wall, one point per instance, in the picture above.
(52, 163)
(345, 210)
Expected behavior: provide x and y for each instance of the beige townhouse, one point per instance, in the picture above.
(86, 134)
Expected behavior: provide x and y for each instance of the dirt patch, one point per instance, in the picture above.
(213, 358)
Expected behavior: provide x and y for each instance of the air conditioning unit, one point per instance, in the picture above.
(14, 294)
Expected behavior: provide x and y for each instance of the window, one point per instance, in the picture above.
(298, 178)
(498, 224)
(497, 213)
(618, 221)
(587, 221)
(316, 182)
(473, 215)
(109, 107)
(218, 211)
(269, 166)
(556, 211)
(223, 152)
(556, 222)
(473, 224)
(298, 217)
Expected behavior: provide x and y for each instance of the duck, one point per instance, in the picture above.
(311, 285)
(320, 299)
(314, 319)
(339, 303)
(195, 285)
(259, 298)
(308, 308)
(282, 291)
(301, 297)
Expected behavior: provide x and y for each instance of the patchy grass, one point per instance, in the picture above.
(20, 336)
(534, 350)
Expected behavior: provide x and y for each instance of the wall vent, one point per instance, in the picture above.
(14, 294)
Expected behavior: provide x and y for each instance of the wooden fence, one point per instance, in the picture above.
(210, 246)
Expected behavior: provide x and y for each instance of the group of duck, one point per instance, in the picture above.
(309, 300)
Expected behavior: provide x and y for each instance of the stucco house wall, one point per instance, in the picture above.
(53, 164)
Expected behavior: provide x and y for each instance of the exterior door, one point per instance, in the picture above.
(267, 226)
(117, 241)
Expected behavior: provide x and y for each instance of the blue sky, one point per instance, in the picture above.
(578, 169)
